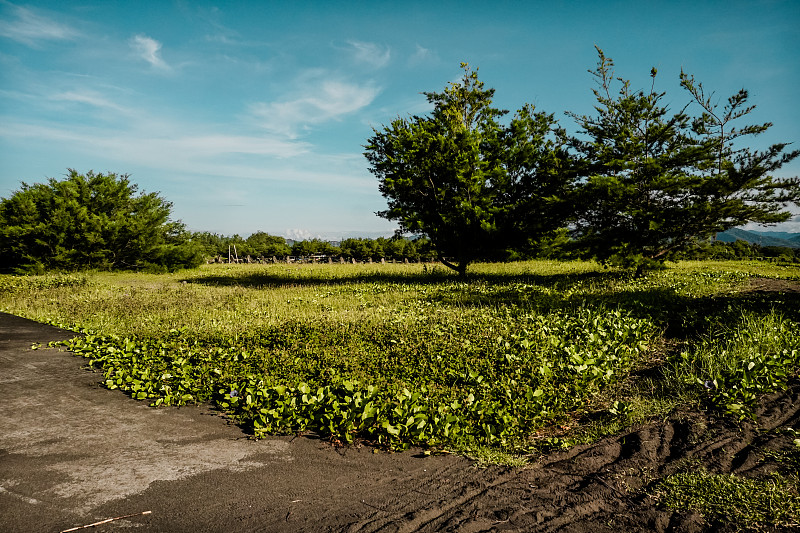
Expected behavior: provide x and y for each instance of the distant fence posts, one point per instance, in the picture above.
(233, 258)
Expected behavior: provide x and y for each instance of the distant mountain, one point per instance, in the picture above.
(785, 235)
(761, 238)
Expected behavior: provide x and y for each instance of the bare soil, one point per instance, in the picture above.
(773, 285)
(73, 453)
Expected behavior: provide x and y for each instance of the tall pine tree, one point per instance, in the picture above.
(654, 181)
(473, 186)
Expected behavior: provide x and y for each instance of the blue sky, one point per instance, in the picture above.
(252, 115)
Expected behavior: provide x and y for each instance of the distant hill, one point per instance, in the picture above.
(761, 238)
(785, 235)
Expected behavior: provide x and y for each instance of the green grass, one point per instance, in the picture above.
(750, 504)
(738, 363)
(411, 355)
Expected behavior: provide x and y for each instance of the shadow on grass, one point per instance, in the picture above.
(435, 276)
(680, 315)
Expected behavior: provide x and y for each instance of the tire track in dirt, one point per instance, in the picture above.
(404, 520)
(599, 487)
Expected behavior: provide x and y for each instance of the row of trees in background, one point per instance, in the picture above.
(638, 185)
(739, 249)
(263, 245)
(421, 249)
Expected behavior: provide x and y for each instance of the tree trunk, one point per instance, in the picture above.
(460, 266)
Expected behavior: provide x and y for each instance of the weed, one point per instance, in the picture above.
(725, 498)
(734, 365)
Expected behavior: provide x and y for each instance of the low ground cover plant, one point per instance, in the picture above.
(489, 379)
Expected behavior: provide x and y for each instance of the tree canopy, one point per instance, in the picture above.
(473, 186)
(654, 181)
(91, 221)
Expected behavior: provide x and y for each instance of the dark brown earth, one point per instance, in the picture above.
(73, 453)
(773, 285)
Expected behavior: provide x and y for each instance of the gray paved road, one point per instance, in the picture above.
(72, 453)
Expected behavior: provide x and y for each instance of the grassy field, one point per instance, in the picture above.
(516, 358)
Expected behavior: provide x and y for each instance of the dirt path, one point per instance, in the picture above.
(72, 453)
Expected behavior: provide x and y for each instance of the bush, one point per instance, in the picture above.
(92, 221)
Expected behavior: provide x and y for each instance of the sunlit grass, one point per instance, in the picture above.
(751, 504)
(228, 298)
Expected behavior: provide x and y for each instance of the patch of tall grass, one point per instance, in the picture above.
(725, 499)
(734, 364)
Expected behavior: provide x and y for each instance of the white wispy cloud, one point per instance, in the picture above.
(213, 145)
(170, 151)
(91, 98)
(317, 103)
(29, 27)
(250, 157)
(148, 49)
(371, 53)
(221, 33)
(299, 234)
(421, 55)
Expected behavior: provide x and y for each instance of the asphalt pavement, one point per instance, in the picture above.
(73, 453)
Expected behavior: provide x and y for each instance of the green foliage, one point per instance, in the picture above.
(737, 365)
(751, 504)
(362, 249)
(296, 377)
(397, 248)
(739, 249)
(655, 180)
(259, 244)
(96, 221)
(262, 244)
(314, 247)
(472, 186)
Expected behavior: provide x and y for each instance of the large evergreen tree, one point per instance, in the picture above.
(656, 180)
(470, 184)
(90, 221)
